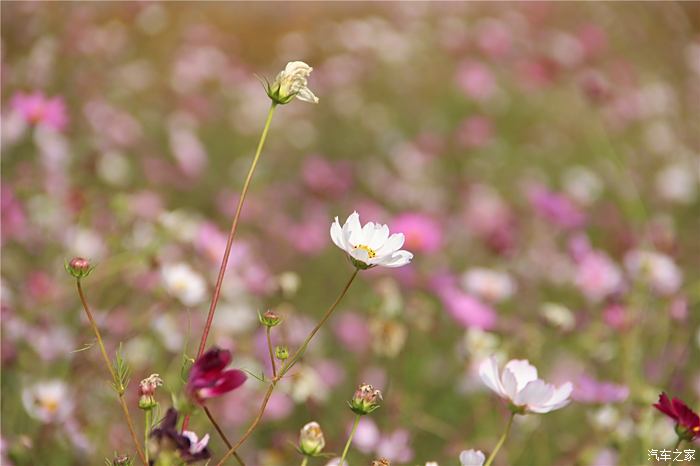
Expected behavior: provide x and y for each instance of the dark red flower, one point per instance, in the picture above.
(687, 421)
(209, 378)
(167, 438)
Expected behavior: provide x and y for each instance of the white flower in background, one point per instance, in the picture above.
(48, 401)
(487, 284)
(290, 83)
(184, 283)
(657, 270)
(518, 383)
(370, 245)
(472, 458)
(582, 184)
(478, 344)
(432, 463)
(677, 183)
(559, 316)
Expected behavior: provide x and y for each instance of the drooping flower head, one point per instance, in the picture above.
(518, 383)
(209, 377)
(472, 458)
(687, 421)
(290, 83)
(311, 440)
(166, 441)
(371, 245)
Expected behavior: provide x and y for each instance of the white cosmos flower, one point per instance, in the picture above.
(472, 458)
(370, 245)
(48, 401)
(491, 285)
(656, 269)
(184, 283)
(292, 82)
(519, 384)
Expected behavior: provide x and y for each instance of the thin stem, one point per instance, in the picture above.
(300, 352)
(347, 444)
(284, 369)
(675, 447)
(108, 364)
(221, 434)
(501, 441)
(272, 355)
(304, 461)
(229, 241)
(146, 431)
(234, 226)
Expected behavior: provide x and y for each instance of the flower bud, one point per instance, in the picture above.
(311, 441)
(365, 400)
(269, 318)
(381, 462)
(121, 460)
(78, 267)
(281, 353)
(147, 391)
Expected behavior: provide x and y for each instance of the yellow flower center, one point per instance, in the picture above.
(370, 252)
(49, 404)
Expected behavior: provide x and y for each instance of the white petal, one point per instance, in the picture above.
(306, 95)
(472, 458)
(367, 233)
(354, 228)
(337, 234)
(397, 259)
(392, 244)
(535, 394)
(381, 233)
(488, 371)
(523, 371)
(510, 384)
(559, 398)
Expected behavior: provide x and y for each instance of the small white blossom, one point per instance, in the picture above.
(370, 245)
(292, 82)
(184, 283)
(657, 270)
(472, 458)
(196, 445)
(48, 401)
(519, 384)
(487, 284)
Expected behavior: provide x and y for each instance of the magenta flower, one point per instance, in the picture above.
(421, 231)
(589, 390)
(687, 420)
(38, 109)
(556, 208)
(209, 377)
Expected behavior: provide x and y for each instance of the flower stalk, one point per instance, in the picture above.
(501, 441)
(118, 383)
(272, 354)
(352, 434)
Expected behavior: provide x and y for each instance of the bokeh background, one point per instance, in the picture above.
(541, 158)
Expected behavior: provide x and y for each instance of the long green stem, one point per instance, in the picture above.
(284, 369)
(229, 241)
(501, 441)
(347, 444)
(675, 447)
(108, 364)
(272, 354)
(146, 431)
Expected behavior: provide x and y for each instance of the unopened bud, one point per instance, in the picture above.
(122, 460)
(147, 391)
(78, 267)
(269, 318)
(365, 400)
(311, 441)
(381, 462)
(281, 353)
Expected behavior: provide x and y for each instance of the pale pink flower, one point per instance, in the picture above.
(422, 232)
(657, 270)
(597, 276)
(476, 80)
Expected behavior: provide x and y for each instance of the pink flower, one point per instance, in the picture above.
(555, 208)
(464, 308)
(589, 390)
(616, 316)
(494, 38)
(209, 378)
(597, 276)
(352, 331)
(422, 233)
(326, 178)
(476, 80)
(37, 109)
(396, 446)
(475, 132)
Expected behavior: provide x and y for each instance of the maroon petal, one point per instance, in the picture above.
(228, 381)
(214, 360)
(664, 405)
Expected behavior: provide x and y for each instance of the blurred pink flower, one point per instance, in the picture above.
(396, 446)
(597, 276)
(616, 316)
(593, 39)
(38, 109)
(494, 38)
(464, 308)
(589, 390)
(475, 132)
(279, 407)
(12, 217)
(536, 73)
(352, 331)
(556, 208)
(476, 80)
(325, 178)
(422, 233)
(367, 435)
(489, 218)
